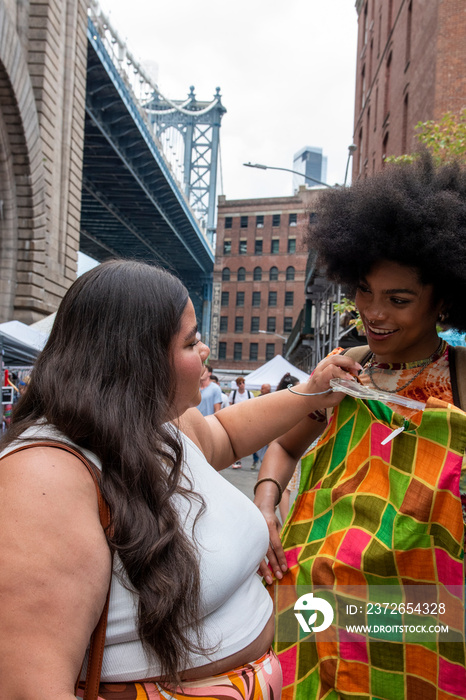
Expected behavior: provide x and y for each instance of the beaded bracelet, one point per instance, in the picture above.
(277, 484)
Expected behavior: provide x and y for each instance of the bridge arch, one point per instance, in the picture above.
(22, 205)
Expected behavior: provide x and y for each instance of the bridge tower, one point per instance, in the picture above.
(189, 131)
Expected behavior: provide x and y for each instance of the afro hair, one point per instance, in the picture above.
(414, 215)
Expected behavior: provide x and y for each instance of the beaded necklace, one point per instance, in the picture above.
(371, 367)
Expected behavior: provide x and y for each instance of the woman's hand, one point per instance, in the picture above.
(275, 554)
(331, 367)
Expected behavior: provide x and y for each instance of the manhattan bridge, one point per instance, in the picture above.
(149, 167)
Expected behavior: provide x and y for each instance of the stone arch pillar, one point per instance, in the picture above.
(23, 224)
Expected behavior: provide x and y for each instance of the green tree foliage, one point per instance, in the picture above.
(445, 139)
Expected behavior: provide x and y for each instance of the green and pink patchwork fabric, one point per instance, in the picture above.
(370, 515)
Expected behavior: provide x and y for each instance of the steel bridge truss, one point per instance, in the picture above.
(187, 130)
(190, 133)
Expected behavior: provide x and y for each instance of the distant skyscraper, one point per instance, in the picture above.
(311, 163)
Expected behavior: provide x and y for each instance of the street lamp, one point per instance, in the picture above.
(272, 333)
(287, 170)
(351, 149)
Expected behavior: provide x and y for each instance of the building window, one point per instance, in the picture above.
(360, 153)
(228, 222)
(290, 273)
(365, 18)
(225, 298)
(239, 298)
(293, 220)
(226, 247)
(241, 274)
(390, 16)
(260, 221)
(239, 324)
(238, 351)
(287, 324)
(385, 148)
(226, 274)
(386, 101)
(243, 246)
(404, 125)
(275, 245)
(289, 298)
(272, 298)
(257, 274)
(276, 220)
(271, 324)
(291, 245)
(222, 351)
(223, 324)
(253, 351)
(409, 24)
(363, 86)
(254, 324)
(243, 222)
(312, 217)
(273, 274)
(269, 351)
(256, 298)
(258, 246)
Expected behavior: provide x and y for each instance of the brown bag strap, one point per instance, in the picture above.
(457, 360)
(97, 643)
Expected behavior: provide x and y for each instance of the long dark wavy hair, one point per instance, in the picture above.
(105, 379)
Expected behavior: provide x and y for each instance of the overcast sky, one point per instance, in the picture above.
(286, 69)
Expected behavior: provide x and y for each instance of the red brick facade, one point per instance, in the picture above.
(261, 242)
(410, 67)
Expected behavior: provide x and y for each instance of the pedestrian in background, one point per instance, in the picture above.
(225, 397)
(211, 396)
(265, 389)
(237, 396)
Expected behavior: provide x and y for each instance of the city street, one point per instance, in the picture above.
(244, 478)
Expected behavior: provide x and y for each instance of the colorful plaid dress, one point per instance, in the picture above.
(370, 515)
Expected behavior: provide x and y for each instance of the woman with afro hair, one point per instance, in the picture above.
(378, 520)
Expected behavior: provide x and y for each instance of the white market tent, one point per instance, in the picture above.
(20, 343)
(45, 324)
(272, 372)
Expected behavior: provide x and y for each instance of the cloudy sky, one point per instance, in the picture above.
(286, 69)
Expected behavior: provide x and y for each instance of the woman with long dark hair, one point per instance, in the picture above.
(117, 383)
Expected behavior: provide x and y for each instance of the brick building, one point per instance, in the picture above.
(411, 59)
(259, 276)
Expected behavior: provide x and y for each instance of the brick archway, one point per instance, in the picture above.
(22, 218)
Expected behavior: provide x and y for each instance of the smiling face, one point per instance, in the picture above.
(399, 313)
(188, 356)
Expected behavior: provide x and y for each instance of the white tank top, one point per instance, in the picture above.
(232, 539)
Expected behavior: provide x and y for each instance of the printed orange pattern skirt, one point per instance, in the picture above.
(259, 680)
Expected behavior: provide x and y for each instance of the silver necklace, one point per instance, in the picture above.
(422, 367)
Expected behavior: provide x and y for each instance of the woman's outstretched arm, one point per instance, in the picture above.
(240, 430)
